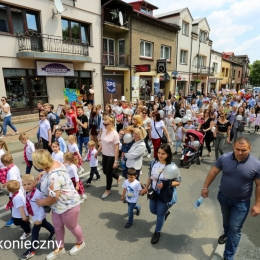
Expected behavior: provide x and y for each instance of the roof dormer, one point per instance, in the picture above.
(143, 7)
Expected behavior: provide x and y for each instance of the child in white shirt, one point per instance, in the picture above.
(17, 203)
(131, 189)
(71, 161)
(57, 154)
(37, 212)
(93, 162)
(27, 153)
(178, 136)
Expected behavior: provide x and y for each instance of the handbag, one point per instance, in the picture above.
(151, 192)
(163, 138)
(241, 127)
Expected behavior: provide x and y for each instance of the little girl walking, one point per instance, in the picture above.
(169, 122)
(251, 116)
(57, 154)
(73, 148)
(71, 161)
(178, 136)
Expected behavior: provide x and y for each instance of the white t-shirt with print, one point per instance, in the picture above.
(3, 112)
(159, 127)
(19, 201)
(132, 190)
(157, 168)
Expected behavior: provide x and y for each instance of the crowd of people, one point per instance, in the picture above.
(123, 132)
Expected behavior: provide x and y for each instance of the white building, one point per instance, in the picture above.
(44, 51)
(214, 81)
(193, 42)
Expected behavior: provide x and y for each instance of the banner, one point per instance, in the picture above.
(111, 86)
(156, 86)
(72, 97)
(54, 69)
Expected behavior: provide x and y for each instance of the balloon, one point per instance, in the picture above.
(195, 144)
(215, 105)
(239, 117)
(171, 171)
(213, 129)
(125, 111)
(189, 119)
(118, 110)
(161, 112)
(128, 138)
(130, 112)
(188, 113)
(185, 119)
(177, 120)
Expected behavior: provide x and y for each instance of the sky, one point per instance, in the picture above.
(234, 25)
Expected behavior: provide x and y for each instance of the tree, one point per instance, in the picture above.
(254, 77)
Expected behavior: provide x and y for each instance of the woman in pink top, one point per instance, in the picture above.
(110, 149)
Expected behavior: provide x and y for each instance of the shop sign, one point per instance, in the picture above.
(143, 68)
(212, 80)
(181, 77)
(54, 69)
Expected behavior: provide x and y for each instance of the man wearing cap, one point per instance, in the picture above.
(235, 191)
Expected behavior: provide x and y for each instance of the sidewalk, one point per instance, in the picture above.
(31, 128)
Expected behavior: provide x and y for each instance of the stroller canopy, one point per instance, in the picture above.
(197, 135)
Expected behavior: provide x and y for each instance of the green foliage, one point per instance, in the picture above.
(254, 78)
(197, 81)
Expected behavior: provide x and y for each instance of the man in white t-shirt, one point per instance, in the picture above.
(6, 114)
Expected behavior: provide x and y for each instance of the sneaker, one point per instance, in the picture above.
(166, 215)
(9, 223)
(222, 239)
(182, 157)
(74, 250)
(55, 253)
(149, 155)
(87, 183)
(25, 235)
(128, 225)
(138, 212)
(2, 136)
(81, 171)
(98, 179)
(84, 197)
(155, 238)
(28, 254)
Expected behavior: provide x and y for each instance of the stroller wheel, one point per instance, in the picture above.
(188, 165)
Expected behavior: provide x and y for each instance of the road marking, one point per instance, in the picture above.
(2, 207)
(5, 213)
(87, 173)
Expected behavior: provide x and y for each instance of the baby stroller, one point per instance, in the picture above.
(193, 155)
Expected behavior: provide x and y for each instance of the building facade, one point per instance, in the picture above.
(45, 50)
(216, 61)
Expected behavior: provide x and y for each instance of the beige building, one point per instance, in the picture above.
(44, 50)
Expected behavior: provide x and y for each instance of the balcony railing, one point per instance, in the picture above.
(112, 16)
(32, 41)
(115, 59)
(203, 69)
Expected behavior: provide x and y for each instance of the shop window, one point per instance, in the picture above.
(75, 31)
(146, 49)
(146, 89)
(24, 88)
(15, 20)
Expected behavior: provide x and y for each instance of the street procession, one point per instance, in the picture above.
(147, 147)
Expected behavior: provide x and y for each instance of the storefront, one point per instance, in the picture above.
(182, 83)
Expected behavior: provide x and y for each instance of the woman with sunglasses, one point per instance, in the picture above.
(45, 131)
(222, 134)
(110, 150)
(6, 113)
(205, 126)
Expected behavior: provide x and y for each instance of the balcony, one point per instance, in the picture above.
(111, 18)
(34, 45)
(206, 71)
(115, 59)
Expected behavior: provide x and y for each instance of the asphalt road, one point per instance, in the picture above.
(188, 234)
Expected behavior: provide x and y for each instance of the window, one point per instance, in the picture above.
(146, 10)
(16, 20)
(203, 36)
(239, 73)
(146, 49)
(108, 52)
(185, 28)
(226, 72)
(183, 57)
(223, 71)
(200, 62)
(166, 53)
(234, 73)
(76, 31)
(215, 67)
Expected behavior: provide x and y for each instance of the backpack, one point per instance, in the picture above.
(57, 118)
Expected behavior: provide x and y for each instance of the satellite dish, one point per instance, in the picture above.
(59, 7)
(121, 21)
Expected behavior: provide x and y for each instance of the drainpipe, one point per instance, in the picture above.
(102, 68)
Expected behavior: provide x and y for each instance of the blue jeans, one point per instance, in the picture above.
(8, 121)
(159, 209)
(177, 144)
(234, 214)
(131, 207)
(38, 134)
(81, 141)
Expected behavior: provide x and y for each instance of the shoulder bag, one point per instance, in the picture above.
(241, 127)
(163, 138)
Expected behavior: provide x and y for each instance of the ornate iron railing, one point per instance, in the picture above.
(32, 41)
(115, 59)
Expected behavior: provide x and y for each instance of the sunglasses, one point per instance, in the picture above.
(42, 115)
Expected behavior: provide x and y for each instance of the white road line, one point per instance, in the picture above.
(87, 173)
(2, 207)
(5, 213)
